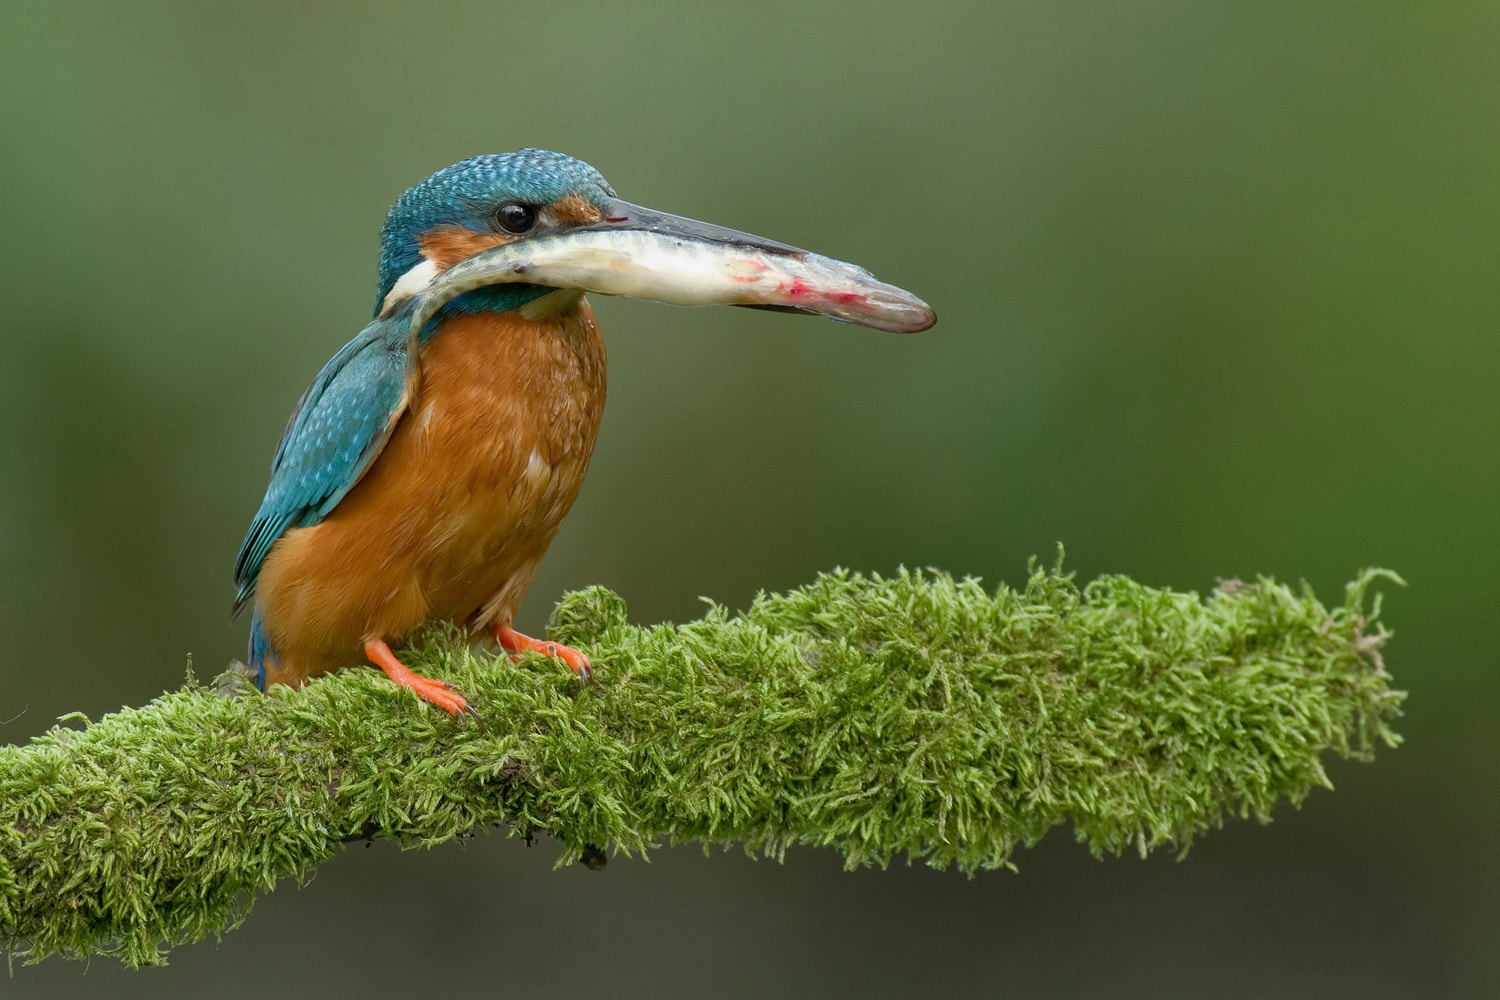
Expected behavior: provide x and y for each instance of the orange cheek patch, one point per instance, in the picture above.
(447, 245)
(576, 210)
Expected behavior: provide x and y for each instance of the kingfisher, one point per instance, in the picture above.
(427, 468)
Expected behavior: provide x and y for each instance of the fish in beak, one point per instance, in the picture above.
(646, 254)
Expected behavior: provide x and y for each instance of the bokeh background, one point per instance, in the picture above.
(1217, 287)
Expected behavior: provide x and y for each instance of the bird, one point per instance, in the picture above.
(429, 465)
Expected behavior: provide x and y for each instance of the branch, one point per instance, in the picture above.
(912, 715)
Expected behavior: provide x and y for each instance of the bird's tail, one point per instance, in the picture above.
(260, 649)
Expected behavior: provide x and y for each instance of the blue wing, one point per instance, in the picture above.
(336, 432)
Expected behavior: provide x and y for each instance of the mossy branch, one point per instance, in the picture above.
(913, 715)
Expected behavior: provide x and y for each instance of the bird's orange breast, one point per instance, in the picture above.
(453, 516)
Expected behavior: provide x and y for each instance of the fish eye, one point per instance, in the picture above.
(515, 218)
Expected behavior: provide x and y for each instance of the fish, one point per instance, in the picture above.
(684, 271)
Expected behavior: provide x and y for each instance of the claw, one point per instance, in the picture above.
(429, 689)
(514, 642)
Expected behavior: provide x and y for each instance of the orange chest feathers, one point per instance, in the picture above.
(453, 516)
(495, 448)
(503, 397)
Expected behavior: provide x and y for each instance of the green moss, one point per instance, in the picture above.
(913, 715)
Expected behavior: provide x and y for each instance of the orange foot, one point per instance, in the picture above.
(515, 642)
(430, 690)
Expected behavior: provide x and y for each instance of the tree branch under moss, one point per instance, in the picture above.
(913, 715)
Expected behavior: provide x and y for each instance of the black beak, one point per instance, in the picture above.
(624, 215)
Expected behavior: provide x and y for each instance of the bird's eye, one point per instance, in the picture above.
(515, 219)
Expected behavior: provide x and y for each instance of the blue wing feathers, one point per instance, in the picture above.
(336, 432)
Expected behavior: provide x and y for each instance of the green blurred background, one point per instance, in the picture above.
(1217, 288)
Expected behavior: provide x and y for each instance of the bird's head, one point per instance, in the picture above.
(503, 229)
(480, 203)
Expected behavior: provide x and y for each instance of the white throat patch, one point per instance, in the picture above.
(409, 285)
